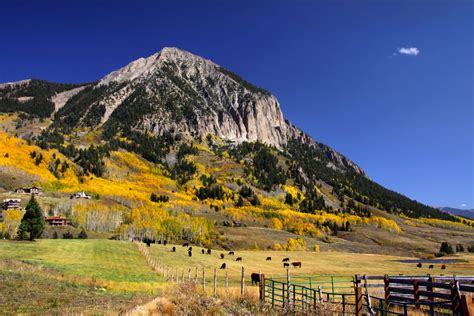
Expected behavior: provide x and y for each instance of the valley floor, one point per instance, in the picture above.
(104, 276)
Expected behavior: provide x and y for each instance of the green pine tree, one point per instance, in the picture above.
(32, 222)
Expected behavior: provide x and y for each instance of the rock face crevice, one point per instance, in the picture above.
(174, 90)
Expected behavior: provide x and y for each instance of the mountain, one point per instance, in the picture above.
(156, 104)
(458, 212)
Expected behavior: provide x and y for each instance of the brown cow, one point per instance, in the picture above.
(269, 258)
(285, 260)
(255, 278)
(286, 265)
(431, 266)
(419, 265)
(222, 256)
(443, 267)
(296, 264)
(238, 259)
(223, 266)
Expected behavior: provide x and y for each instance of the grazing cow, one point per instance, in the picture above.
(173, 249)
(190, 249)
(208, 251)
(185, 245)
(285, 260)
(165, 242)
(223, 266)
(231, 253)
(269, 258)
(255, 278)
(443, 267)
(238, 259)
(431, 266)
(147, 243)
(222, 256)
(203, 251)
(190, 253)
(296, 264)
(286, 265)
(419, 265)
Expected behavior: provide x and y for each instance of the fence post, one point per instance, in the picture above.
(203, 280)
(386, 287)
(189, 274)
(343, 304)
(455, 296)
(358, 301)
(416, 292)
(215, 281)
(262, 287)
(283, 294)
(332, 286)
(196, 276)
(288, 290)
(177, 276)
(467, 305)
(242, 283)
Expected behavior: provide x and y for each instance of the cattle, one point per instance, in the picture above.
(222, 256)
(231, 253)
(148, 244)
(190, 249)
(223, 266)
(443, 267)
(285, 260)
(269, 258)
(185, 245)
(173, 249)
(255, 278)
(419, 265)
(286, 265)
(203, 251)
(208, 251)
(190, 253)
(238, 259)
(431, 266)
(165, 242)
(296, 264)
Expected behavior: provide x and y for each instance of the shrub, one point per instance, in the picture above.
(82, 234)
(446, 248)
(68, 235)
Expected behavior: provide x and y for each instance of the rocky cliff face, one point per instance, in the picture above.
(178, 92)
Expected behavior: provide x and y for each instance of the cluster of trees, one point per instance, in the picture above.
(448, 249)
(266, 169)
(247, 193)
(37, 157)
(159, 198)
(312, 202)
(32, 224)
(68, 235)
(40, 93)
(356, 186)
(210, 189)
(357, 209)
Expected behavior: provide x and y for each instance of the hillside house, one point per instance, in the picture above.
(81, 195)
(11, 204)
(33, 190)
(55, 221)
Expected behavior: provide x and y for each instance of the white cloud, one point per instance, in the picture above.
(463, 205)
(411, 51)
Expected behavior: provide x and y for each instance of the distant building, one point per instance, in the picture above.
(11, 204)
(56, 221)
(33, 190)
(81, 195)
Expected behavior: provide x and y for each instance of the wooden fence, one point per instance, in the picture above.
(392, 295)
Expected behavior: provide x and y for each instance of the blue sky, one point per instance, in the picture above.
(335, 66)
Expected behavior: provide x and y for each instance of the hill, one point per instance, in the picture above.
(458, 212)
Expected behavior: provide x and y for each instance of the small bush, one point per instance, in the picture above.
(68, 235)
(82, 234)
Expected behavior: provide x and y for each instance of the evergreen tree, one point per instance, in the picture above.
(32, 222)
(82, 234)
(446, 248)
(55, 235)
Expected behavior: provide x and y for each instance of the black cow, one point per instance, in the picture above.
(419, 265)
(269, 258)
(223, 266)
(190, 253)
(255, 278)
(431, 266)
(208, 251)
(238, 259)
(173, 249)
(285, 260)
(165, 242)
(231, 253)
(190, 249)
(296, 264)
(185, 245)
(203, 251)
(286, 265)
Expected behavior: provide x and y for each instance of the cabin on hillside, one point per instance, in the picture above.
(11, 204)
(81, 195)
(55, 221)
(33, 190)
